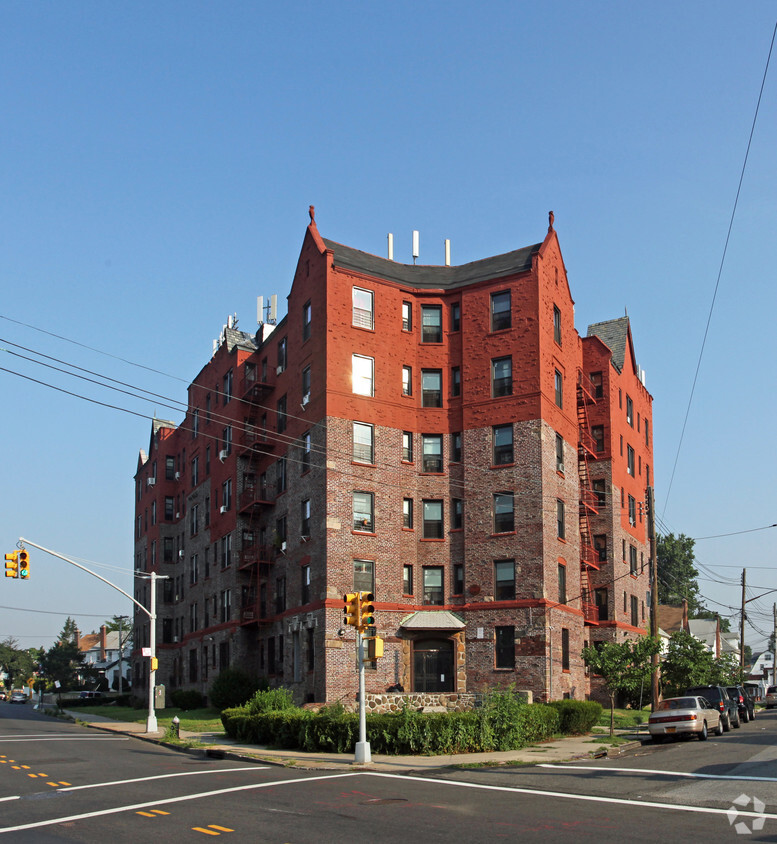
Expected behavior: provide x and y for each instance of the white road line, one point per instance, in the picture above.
(22, 739)
(535, 792)
(164, 777)
(166, 801)
(658, 772)
(34, 735)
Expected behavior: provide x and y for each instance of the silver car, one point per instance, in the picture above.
(676, 716)
(771, 697)
(18, 697)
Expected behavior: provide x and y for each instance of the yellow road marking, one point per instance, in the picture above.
(206, 831)
(159, 812)
(220, 828)
(32, 775)
(52, 784)
(42, 775)
(146, 814)
(26, 767)
(15, 767)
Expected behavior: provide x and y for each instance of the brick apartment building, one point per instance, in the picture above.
(441, 436)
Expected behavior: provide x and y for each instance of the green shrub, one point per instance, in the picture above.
(232, 687)
(186, 699)
(577, 717)
(270, 700)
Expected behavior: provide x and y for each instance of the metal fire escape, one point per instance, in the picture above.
(586, 451)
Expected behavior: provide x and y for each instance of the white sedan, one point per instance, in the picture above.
(676, 716)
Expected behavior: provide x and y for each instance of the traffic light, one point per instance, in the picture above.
(24, 564)
(366, 610)
(351, 609)
(374, 648)
(12, 564)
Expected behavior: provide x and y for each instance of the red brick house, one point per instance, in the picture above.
(441, 436)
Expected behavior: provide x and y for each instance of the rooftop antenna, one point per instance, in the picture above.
(416, 251)
(266, 313)
(447, 252)
(390, 246)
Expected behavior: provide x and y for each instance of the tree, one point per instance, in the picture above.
(17, 664)
(687, 663)
(61, 662)
(623, 666)
(726, 671)
(69, 632)
(677, 573)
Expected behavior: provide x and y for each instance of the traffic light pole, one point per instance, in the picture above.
(363, 753)
(151, 722)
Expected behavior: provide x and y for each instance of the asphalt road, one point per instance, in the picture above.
(61, 783)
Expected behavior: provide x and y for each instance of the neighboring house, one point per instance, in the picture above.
(440, 436)
(717, 642)
(101, 653)
(762, 671)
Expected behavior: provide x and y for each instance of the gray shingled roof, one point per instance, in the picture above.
(431, 277)
(614, 334)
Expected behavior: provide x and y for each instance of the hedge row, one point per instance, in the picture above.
(503, 725)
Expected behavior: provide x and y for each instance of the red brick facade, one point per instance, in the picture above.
(288, 484)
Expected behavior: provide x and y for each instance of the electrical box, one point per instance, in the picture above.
(159, 696)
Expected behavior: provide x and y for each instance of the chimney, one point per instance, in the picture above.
(102, 643)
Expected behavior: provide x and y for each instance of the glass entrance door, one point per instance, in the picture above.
(433, 666)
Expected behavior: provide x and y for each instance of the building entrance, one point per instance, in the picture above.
(433, 666)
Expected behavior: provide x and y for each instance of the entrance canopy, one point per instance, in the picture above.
(432, 620)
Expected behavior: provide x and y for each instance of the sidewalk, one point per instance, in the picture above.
(567, 749)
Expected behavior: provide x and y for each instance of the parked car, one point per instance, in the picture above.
(771, 697)
(719, 697)
(18, 697)
(85, 695)
(3, 695)
(745, 703)
(676, 716)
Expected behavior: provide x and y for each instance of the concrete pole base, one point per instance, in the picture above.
(363, 754)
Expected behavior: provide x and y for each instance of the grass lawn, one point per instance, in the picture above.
(625, 719)
(193, 720)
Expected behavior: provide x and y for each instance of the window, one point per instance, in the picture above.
(305, 386)
(504, 646)
(363, 308)
(226, 494)
(363, 576)
(564, 649)
(456, 381)
(282, 355)
(557, 325)
(407, 513)
(167, 549)
(363, 443)
(226, 550)
(502, 444)
(433, 524)
(194, 569)
(407, 446)
(600, 545)
(362, 370)
(280, 476)
(169, 468)
(647, 432)
(281, 414)
(456, 447)
(632, 560)
(597, 434)
(456, 316)
(596, 383)
(432, 452)
(407, 316)
(632, 511)
(280, 594)
(305, 462)
(630, 460)
(280, 533)
(228, 387)
(431, 323)
(600, 599)
(600, 491)
(559, 453)
(504, 519)
(307, 318)
(195, 519)
(560, 519)
(458, 579)
(559, 385)
(304, 584)
(501, 316)
(195, 471)
(226, 439)
(629, 410)
(433, 593)
(169, 508)
(634, 611)
(431, 388)
(502, 377)
(562, 583)
(407, 380)
(363, 504)
(407, 580)
(457, 513)
(305, 518)
(195, 423)
(504, 580)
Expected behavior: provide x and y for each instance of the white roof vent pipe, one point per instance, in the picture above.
(447, 252)
(416, 240)
(390, 246)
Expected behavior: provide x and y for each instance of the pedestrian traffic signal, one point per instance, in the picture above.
(12, 564)
(351, 609)
(366, 610)
(24, 564)
(374, 648)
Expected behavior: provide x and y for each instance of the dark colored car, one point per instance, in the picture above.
(719, 697)
(745, 703)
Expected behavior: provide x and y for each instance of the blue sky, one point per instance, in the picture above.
(158, 160)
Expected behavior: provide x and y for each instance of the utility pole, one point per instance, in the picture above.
(774, 649)
(742, 624)
(651, 525)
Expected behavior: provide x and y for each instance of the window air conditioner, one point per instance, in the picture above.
(178, 476)
(150, 481)
(177, 515)
(305, 399)
(223, 454)
(223, 508)
(175, 639)
(180, 555)
(278, 370)
(283, 547)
